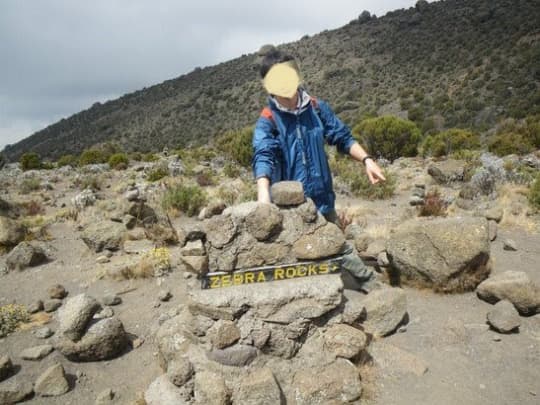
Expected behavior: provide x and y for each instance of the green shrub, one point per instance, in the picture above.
(136, 156)
(118, 161)
(11, 315)
(205, 178)
(91, 182)
(388, 136)
(92, 156)
(362, 187)
(150, 157)
(30, 161)
(237, 145)
(231, 170)
(188, 199)
(508, 143)
(450, 141)
(29, 184)
(534, 193)
(67, 160)
(157, 173)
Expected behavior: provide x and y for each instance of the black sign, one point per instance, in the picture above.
(271, 273)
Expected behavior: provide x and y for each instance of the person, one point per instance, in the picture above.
(288, 144)
(289, 137)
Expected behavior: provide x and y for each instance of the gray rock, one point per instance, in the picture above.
(492, 229)
(162, 392)
(264, 222)
(214, 208)
(52, 305)
(514, 286)
(37, 352)
(102, 259)
(308, 211)
(336, 383)
(326, 241)
(447, 171)
(6, 367)
(196, 264)
(85, 198)
(43, 333)
(415, 201)
(237, 355)
(503, 317)
(393, 360)
(144, 213)
(494, 214)
(193, 248)
(132, 195)
(106, 312)
(193, 232)
(104, 339)
(35, 307)
(383, 260)
(448, 254)
(138, 247)
(129, 221)
(52, 382)
(111, 299)
(11, 232)
(57, 291)
(76, 315)
(105, 397)
(385, 311)
(258, 387)
(25, 255)
(345, 341)
(510, 244)
(356, 267)
(309, 297)
(286, 193)
(220, 230)
(362, 241)
(103, 235)
(164, 295)
(210, 389)
(354, 310)
(223, 334)
(180, 371)
(13, 391)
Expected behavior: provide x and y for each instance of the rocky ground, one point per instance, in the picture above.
(452, 314)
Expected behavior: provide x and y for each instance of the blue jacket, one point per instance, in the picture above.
(290, 146)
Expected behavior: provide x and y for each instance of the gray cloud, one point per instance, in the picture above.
(61, 56)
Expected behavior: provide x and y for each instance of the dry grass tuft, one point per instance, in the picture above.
(516, 211)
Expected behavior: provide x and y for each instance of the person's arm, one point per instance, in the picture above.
(373, 170)
(338, 134)
(265, 150)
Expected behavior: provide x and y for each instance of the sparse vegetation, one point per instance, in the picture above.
(157, 173)
(434, 205)
(237, 145)
(92, 156)
(118, 161)
(30, 161)
(534, 193)
(67, 160)
(448, 142)
(11, 316)
(185, 198)
(29, 184)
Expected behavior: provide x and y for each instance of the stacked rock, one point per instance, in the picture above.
(418, 195)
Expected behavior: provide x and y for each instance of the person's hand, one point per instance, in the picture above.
(374, 172)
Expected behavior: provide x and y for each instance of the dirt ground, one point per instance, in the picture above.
(466, 362)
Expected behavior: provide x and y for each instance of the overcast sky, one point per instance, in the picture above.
(60, 56)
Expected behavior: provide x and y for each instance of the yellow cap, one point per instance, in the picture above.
(282, 80)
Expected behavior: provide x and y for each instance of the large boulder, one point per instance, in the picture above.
(328, 240)
(284, 302)
(264, 221)
(385, 310)
(52, 382)
(104, 339)
(11, 232)
(448, 254)
(514, 286)
(25, 255)
(259, 387)
(15, 390)
(103, 235)
(345, 341)
(447, 171)
(75, 315)
(336, 383)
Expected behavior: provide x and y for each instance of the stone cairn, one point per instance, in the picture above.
(296, 341)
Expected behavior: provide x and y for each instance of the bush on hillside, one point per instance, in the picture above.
(157, 173)
(534, 193)
(67, 160)
(450, 141)
(30, 161)
(118, 161)
(188, 199)
(516, 137)
(237, 145)
(92, 157)
(388, 136)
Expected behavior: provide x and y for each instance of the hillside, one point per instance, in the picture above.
(454, 63)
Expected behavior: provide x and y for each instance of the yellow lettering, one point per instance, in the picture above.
(312, 270)
(290, 272)
(226, 281)
(279, 274)
(301, 271)
(334, 268)
(238, 279)
(249, 278)
(261, 277)
(323, 268)
(214, 281)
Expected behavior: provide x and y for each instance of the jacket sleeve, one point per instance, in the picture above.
(336, 132)
(266, 149)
